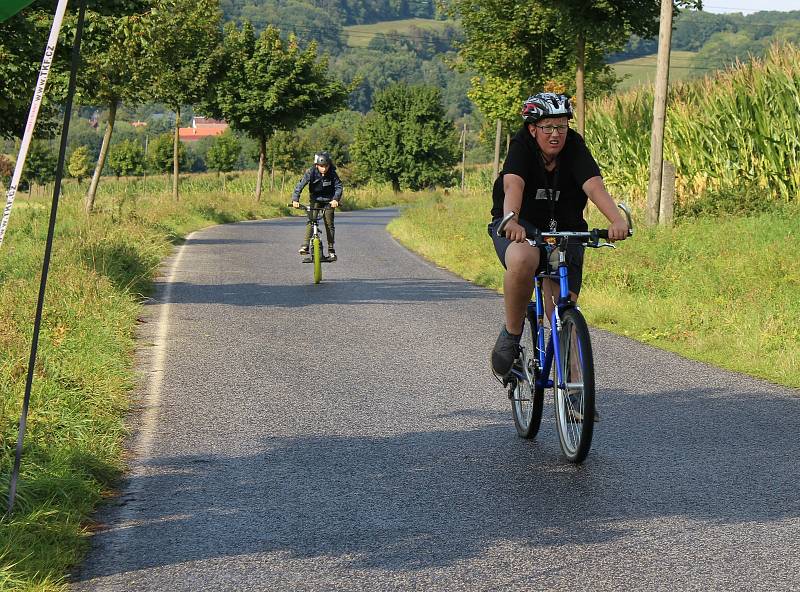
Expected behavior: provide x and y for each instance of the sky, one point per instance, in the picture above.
(749, 6)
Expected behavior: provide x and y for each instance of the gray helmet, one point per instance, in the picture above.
(545, 104)
(322, 158)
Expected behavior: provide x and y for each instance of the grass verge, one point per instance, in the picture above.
(102, 266)
(722, 290)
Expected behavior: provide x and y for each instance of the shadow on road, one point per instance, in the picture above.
(349, 291)
(435, 498)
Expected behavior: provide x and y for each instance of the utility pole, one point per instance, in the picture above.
(463, 155)
(659, 112)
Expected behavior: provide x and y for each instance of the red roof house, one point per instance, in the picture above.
(202, 127)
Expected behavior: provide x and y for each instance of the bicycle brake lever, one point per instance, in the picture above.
(609, 245)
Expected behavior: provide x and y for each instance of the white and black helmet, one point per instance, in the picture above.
(323, 158)
(545, 104)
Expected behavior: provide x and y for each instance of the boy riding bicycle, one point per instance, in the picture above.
(324, 187)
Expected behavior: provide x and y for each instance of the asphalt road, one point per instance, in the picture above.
(349, 436)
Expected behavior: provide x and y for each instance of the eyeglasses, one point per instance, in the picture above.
(549, 129)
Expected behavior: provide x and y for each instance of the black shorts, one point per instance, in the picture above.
(574, 253)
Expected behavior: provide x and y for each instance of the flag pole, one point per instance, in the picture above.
(76, 53)
(33, 114)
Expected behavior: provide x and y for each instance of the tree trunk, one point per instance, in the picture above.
(176, 164)
(262, 156)
(101, 160)
(580, 92)
(396, 185)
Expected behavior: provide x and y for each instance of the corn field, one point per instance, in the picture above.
(735, 132)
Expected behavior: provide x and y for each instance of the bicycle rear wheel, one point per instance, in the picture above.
(316, 250)
(526, 399)
(574, 399)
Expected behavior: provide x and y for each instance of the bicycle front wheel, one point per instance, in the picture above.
(574, 397)
(317, 257)
(526, 399)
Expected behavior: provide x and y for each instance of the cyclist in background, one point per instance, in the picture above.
(547, 177)
(324, 187)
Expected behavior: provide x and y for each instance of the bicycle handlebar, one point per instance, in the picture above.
(592, 236)
(309, 208)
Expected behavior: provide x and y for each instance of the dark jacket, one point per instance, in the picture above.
(321, 187)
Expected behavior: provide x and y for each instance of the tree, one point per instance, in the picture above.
(406, 139)
(126, 158)
(78, 166)
(185, 49)
(114, 68)
(40, 166)
(161, 154)
(537, 42)
(269, 85)
(223, 154)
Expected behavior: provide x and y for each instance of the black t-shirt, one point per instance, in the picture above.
(575, 166)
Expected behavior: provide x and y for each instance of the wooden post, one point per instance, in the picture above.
(666, 207)
(463, 154)
(659, 112)
(496, 170)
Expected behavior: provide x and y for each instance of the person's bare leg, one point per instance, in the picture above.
(521, 263)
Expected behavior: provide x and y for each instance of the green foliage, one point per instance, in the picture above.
(186, 36)
(333, 133)
(79, 165)
(223, 154)
(406, 139)
(345, 11)
(127, 158)
(285, 151)
(160, 154)
(22, 39)
(268, 85)
(40, 165)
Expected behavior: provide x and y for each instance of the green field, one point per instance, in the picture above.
(643, 70)
(361, 35)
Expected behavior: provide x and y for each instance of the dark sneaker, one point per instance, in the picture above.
(505, 351)
(303, 250)
(331, 255)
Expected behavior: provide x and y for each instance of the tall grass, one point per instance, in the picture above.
(102, 266)
(735, 135)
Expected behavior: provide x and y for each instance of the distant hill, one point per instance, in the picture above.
(362, 35)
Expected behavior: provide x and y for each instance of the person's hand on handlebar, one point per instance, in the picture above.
(618, 230)
(295, 204)
(334, 203)
(515, 232)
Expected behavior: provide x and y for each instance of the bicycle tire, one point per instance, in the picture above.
(574, 404)
(316, 249)
(527, 400)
